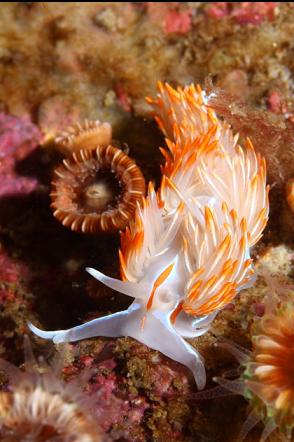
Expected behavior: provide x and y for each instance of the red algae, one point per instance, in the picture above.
(218, 10)
(275, 103)
(244, 13)
(254, 12)
(11, 270)
(18, 139)
(123, 98)
(170, 17)
(178, 22)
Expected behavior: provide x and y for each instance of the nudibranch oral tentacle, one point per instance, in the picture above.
(186, 253)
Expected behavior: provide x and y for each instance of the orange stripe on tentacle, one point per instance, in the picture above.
(224, 245)
(122, 266)
(190, 162)
(166, 155)
(160, 280)
(249, 145)
(217, 305)
(150, 100)
(160, 201)
(262, 167)
(160, 87)
(216, 302)
(150, 187)
(176, 312)
(176, 131)
(125, 237)
(174, 187)
(210, 283)
(208, 136)
(209, 218)
(197, 273)
(205, 149)
(172, 93)
(195, 290)
(212, 117)
(172, 146)
(160, 124)
(131, 240)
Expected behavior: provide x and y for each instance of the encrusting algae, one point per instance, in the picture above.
(186, 254)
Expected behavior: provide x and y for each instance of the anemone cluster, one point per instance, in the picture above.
(97, 187)
(267, 379)
(39, 406)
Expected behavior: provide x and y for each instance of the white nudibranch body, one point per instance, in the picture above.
(186, 253)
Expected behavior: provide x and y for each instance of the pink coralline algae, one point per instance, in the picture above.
(18, 139)
(275, 103)
(13, 274)
(12, 271)
(115, 405)
(169, 18)
(243, 13)
(178, 22)
(218, 10)
(122, 97)
(254, 12)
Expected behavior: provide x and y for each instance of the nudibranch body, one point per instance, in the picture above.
(186, 253)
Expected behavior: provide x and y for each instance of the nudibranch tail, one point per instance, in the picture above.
(186, 252)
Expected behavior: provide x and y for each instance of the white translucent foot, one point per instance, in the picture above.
(155, 331)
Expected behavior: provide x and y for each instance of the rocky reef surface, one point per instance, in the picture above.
(63, 62)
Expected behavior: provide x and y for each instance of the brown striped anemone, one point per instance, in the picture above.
(96, 190)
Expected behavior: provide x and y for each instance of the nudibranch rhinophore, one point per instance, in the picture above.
(186, 252)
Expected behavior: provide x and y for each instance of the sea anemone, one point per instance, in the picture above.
(186, 253)
(39, 406)
(267, 381)
(96, 190)
(86, 135)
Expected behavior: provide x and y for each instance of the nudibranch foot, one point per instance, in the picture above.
(156, 332)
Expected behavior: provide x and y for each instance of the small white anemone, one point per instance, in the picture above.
(40, 406)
